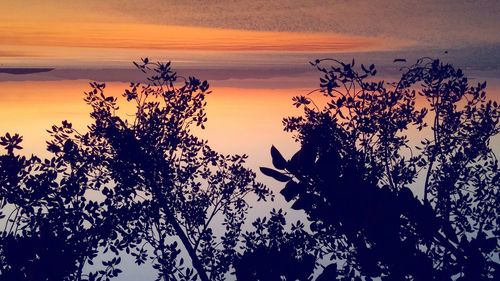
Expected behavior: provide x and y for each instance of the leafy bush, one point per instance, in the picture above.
(161, 187)
(357, 164)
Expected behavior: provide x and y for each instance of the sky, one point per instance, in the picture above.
(430, 22)
(98, 34)
(255, 54)
(235, 45)
(239, 46)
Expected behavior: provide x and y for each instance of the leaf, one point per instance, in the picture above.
(275, 174)
(329, 273)
(278, 161)
(291, 190)
(449, 231)
(305, 202)
(299, 204)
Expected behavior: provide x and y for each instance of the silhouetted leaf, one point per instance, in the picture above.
(291, 190)
(329, 273)
(275, 174)
(278, 161)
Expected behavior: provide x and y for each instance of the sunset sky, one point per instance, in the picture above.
(237, 45)
(90, 33)
(255, 55)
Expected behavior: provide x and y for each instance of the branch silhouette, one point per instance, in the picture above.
(160, 188)
(356, 166)
(148, 188)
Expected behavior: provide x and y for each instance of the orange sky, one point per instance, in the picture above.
(244, 112)
(75, 43)
(149, 36)
(240, 120)
(55, 33)
(77, 33)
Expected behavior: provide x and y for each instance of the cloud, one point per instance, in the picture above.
(24, 71)
(438, 23)
(449, 23)
(83, 32)
(163, 37)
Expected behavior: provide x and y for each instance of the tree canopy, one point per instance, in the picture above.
(146, 187)
(358, 163)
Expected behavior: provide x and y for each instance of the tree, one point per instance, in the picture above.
(50, 230)
(272, 253)
(149, 187)
(164, 186)
(354, 173)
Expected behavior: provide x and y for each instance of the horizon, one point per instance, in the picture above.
(255, 55)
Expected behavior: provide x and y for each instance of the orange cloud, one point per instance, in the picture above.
(162, 37)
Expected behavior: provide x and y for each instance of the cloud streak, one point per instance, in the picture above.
(148, 36)
(445, 23)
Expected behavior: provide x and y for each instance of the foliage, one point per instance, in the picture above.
(165, 186)
(157, 188)
(150, 188)
(357, 163)
(50, 229)
(271, 253)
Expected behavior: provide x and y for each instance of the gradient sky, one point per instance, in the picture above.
(236, 45)
(89, 32)
(430, 22)
(254, 53)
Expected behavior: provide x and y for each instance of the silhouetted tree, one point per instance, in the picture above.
(358, 161)
(272, 253)
(164, 186)
(50, 230)
(149, 187)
